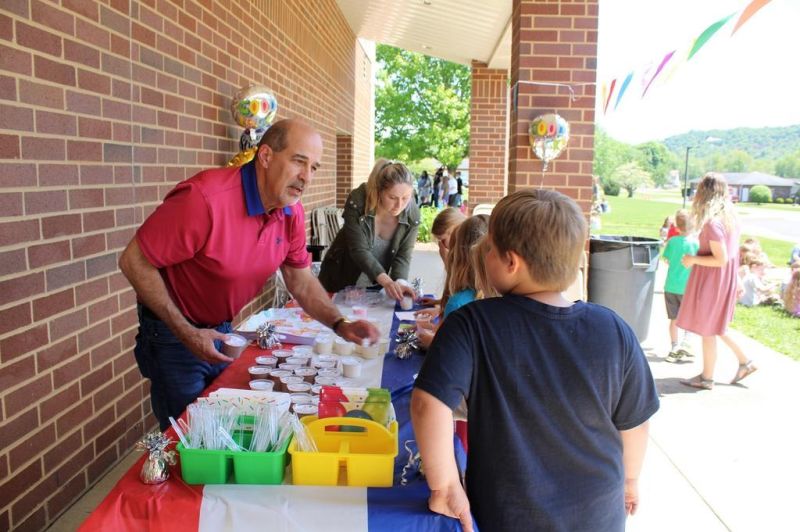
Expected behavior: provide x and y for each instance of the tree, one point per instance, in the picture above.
(736, 161)
(789, 165)
(630, 176)
(421, 107)
(657, 160)
(609, 154)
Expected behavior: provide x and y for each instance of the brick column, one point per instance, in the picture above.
(553, 42)
(488, 140)
(344, 168)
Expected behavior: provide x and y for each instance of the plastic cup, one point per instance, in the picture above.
(299, 360)
(343, 347)
(267, 361)
(324, 381)
(234, 345)
(289, 367)
(277, 374)
(303, 410)
(262, 385)
(299, 387)
(323, 344)
(259, 372)
(368, 351)
(351, 367)
(282, 354)
(308, 374)
(300, 350)
(300, 398)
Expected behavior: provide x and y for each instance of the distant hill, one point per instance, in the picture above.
(759, 142)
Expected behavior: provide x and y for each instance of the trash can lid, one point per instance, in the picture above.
(599, 244)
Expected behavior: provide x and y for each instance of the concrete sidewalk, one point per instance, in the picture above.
(725, 459)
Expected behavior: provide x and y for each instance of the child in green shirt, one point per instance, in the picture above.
(675, 285)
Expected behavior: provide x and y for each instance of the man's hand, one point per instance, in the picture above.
(452, 502)
(631, 496)
(201, 343)
(357, 331)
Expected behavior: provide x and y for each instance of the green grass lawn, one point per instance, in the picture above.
(771, 326)
(643, 216)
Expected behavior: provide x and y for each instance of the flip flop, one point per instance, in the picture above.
(743, 371)
(699, 382)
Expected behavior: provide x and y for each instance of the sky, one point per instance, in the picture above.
(750, 79)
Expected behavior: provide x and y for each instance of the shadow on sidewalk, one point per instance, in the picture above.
(672, 385)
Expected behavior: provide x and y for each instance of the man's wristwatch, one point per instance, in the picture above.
(340, 320)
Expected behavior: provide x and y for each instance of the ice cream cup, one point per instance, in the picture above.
(234, 345)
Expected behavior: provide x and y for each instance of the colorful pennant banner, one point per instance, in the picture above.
(672, 60)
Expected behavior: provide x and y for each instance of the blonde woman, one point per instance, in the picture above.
(710, 297)
(377, 239)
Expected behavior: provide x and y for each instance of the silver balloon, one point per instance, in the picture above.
(254, 107)
(548, 135)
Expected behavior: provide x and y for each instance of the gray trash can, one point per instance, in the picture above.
(622, 277)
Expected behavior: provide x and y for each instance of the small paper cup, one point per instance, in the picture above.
(343, 347)
(234, 345)
(323, 344)
(303, 350)
(305, 409)
(351, 367)
(262, 385)
(259, 372)
(407, 303)
(267, 361)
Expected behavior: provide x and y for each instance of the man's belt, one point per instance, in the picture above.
(149, 314)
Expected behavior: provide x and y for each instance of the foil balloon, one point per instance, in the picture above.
(254, 107)
(549, 135)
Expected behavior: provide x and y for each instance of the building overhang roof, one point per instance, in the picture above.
(456, 30)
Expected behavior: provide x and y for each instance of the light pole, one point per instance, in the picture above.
(686, 176)
(711, 140)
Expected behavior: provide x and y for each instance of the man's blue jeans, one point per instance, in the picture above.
(177, 377)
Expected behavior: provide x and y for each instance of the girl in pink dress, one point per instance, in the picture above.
(710, 298)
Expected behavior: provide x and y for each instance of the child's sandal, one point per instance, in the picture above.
(699, 382)
(744, 370)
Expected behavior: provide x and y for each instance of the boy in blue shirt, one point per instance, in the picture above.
(675, 285)
(558, 393)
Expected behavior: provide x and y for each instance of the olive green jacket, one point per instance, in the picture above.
(351, 250)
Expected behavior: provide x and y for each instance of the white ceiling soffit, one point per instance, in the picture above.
(456, 30)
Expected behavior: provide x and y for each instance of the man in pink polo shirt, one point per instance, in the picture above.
(207, 251)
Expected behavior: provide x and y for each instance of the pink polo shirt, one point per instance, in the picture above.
(214, 245)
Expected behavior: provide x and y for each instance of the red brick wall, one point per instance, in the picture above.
(487, 134)
(104, 106)
(344, 168)
(554, 42)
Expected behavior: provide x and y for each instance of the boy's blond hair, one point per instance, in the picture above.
(683, 221)
(546, 229)
(460, 271)
(483, 288)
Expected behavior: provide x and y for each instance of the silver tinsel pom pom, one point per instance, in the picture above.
(416, 284)
(266, 337)
(155, 469)
(407, 343)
